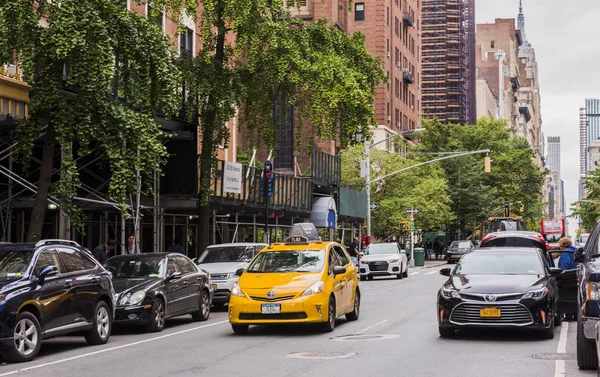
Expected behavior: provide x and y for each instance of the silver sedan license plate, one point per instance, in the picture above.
(271, 308)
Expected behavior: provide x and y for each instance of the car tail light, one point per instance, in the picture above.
(487, 238)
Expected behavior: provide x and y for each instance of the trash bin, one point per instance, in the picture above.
(419, 256)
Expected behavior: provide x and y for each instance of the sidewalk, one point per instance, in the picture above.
(433, 263)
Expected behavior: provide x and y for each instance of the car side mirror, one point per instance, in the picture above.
(47, 271)
(176, 275)
(195, 260)
(445, 271)
(338, 270)
(579, 255)
(239, 272)
(555, 271)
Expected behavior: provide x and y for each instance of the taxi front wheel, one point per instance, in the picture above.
(330, 324)
(240, 329)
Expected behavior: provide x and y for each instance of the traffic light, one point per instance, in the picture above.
(365, 241)
(405, 226)
(487, 164)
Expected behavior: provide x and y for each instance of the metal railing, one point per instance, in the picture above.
(289, 192)
(326, 168)
(408, 19)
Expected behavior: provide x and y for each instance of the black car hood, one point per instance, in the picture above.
(496, 283)
(134, 284)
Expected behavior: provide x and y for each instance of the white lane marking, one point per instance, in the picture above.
(560, 368)
(413, 273)
(311, 355)
(370, 327)
(112, 349)
(562, 342)
(432, 272)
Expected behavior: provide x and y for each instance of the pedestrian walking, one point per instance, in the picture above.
(102, 251)
(566, 261)
(131, 246)
(437, 248)
(428, 250)
(176, 247)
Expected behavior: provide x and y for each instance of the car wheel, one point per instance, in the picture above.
(586, 349)
(330, 324)
(354, 314)
(557, 320)
(157, 315)
(102, 324)
(405, 273)
(363, 278)
(27, 339)
(446, 332)
(240, 329)
(204, 312)
(549, 332)
(400, 276)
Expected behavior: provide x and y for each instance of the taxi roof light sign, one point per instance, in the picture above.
(303, 233)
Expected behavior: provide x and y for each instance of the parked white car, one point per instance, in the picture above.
(383, 259)
(222, 261)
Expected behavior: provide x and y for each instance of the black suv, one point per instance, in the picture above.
(588, 300)
(47, 289)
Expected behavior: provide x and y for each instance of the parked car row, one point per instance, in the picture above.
(56, 287)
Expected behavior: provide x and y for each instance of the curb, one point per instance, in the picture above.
(434, 265)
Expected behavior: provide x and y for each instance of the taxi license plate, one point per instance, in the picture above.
(214, 287)
(489, 312)
(270, 308)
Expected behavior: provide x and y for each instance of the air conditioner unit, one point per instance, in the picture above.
(388, 54)
(389, 118)
(398, 124)
(405, 69)
(398, 64)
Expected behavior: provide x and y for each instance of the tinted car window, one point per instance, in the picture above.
(185, 266)
(172, 266)
(89, 263)
(341, 256)
(47, 258)
(72, 260)
(512, 241)
(131, 267)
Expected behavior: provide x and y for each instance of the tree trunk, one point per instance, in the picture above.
(38, 213)
(209, 118)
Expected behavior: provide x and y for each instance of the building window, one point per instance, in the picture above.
(359, 12)
(388, 47)
(493, 44)
(387, 20)
(398, 118)
(186, 42)
(159, 18)
(285, 145)
(388, 112)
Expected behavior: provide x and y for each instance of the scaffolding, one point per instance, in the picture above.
(448, 60)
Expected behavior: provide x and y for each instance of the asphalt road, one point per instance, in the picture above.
(396, 335)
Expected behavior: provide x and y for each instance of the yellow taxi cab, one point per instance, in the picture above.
(303, 280)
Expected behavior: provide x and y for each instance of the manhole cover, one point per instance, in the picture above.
(554, 356)
(364, 338)
(320, 355)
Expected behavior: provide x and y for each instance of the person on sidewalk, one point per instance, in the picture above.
(102, 252)
(437, 248)
(353, 250)
(176, 247)
(131, 247)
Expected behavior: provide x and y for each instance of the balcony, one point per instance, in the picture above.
(524, 110)
(11, 71)
(408, 19)
(407, 76)
(289, 193)
(326, 168)
(515, 82)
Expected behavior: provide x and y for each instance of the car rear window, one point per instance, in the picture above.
(511, 241)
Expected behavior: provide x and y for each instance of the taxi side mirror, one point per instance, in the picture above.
(239, 272)
(338, 270)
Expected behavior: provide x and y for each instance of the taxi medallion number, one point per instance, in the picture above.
(271, 308)
(489, 312)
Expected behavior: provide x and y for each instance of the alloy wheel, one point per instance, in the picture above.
(205, 304)
(26, 337)
(159, 314)
(103, 322)
(331, 314)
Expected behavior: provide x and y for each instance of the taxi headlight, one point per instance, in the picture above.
(236, 291)
(137, 297)
(450, 293)
(316, 287)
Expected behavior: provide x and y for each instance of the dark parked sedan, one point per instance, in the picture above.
(152, 287)
(457, 249)
(49, 289)
(500, 287)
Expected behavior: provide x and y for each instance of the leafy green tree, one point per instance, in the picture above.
(424, 188)
(328, 76)
(475, 195)
(72, 53)
(589, 211)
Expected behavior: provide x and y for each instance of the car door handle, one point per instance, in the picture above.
(68, 284)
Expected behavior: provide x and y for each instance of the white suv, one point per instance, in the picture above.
(383, 259)
(222, 261)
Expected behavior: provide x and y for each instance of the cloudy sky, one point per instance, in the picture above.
(565, 38)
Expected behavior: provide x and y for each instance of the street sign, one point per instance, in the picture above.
(232, 178)
(364, 165)
(374, 206)
(268, 169)
(412, 226)
(412, 211)
(271, 182)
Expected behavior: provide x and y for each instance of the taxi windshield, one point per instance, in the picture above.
(289, 261)
(14, 263)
